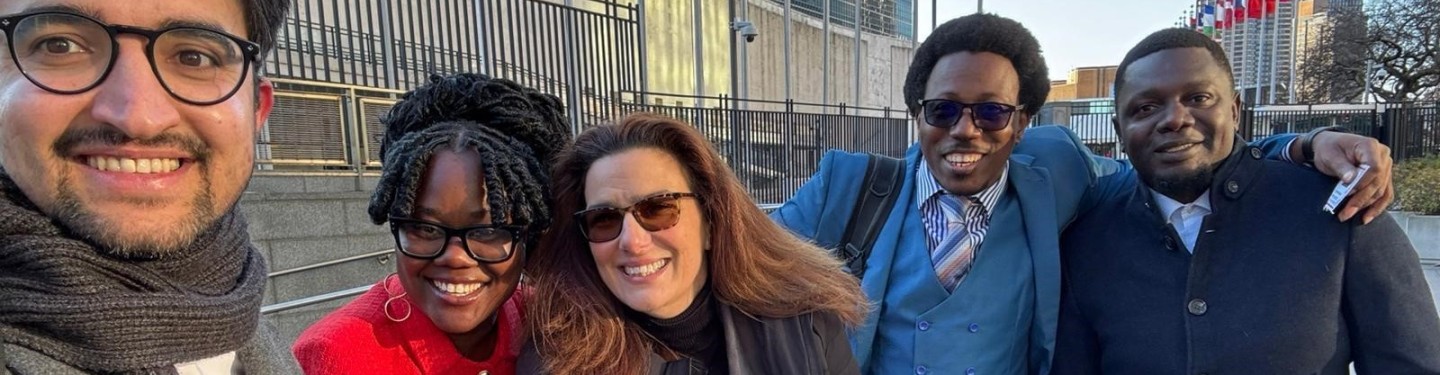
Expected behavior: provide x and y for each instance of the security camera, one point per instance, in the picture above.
(746, 29)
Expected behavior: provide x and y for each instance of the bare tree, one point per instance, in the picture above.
(1392, 46)
(1331, 66)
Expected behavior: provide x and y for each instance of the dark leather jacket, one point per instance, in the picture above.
(813, 343)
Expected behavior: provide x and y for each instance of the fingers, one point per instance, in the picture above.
(1366, 192)
(1341, 169)
(1372, 196)
(1379, 188)
(1381, 205)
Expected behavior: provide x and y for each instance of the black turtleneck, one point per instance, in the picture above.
(696, 333)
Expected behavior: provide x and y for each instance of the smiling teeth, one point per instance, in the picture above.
(1177, 147)
(646, 270)
(962, 158)
(125, 165)
(455, 289)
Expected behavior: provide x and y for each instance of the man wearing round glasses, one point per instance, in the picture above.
(965, 269)
(127, 134)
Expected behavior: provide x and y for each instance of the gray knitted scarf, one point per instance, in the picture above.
(64, 298)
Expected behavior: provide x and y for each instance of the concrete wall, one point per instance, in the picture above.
(670, 57)
(670, 47)
(303, 220)
(884, 61)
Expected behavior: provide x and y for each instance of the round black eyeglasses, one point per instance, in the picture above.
(422, 239)
(67, 53)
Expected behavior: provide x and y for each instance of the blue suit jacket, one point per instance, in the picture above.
(1052, 174)
(1050, 178)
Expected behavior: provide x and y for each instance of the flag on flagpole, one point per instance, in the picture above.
(1237, 12)
(1222, 15)
(1209, 20)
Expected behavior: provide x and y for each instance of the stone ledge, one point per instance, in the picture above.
(291, 196)
(1423, 230)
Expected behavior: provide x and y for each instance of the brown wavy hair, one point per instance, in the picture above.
(578, 325)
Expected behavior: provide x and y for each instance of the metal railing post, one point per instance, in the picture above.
(352, 131)
(387, 37)
(482, 38)
(857, 73)
(572, 70)
(644, 71)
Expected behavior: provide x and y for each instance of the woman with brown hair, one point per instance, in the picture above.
(659, 262)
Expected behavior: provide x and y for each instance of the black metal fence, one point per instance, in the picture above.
(1411, 130)
(583, 54)
(774, 146)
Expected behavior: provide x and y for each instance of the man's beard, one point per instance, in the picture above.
(1190, 183)
(108, 236)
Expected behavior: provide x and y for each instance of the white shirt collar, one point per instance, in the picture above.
(1169, 206)
(928, 187)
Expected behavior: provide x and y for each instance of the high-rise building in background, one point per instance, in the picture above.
(894, 18)
(1264, 39)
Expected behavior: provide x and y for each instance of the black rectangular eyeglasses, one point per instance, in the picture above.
(422, 239)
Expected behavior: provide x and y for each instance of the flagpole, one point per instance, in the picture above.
(1244, 45)
(1295, 41)
(1259, 51)
(1275, 50)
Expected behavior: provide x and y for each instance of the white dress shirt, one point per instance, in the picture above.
(1185, 217)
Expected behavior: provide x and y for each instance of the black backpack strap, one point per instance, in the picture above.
(883, 175)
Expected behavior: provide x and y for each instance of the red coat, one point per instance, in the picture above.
(359, 339)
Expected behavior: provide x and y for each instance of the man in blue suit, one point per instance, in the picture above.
(965, 271)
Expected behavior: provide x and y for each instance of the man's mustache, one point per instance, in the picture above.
(109, 136)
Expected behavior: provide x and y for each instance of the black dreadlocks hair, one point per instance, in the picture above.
(516, 130)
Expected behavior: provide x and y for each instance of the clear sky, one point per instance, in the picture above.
(1072, 33)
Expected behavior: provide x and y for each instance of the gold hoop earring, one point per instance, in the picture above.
(392, 298)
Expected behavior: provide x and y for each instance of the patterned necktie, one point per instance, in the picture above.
(956, 252)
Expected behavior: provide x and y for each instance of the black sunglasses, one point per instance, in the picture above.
(656, 213)
(422, 239)
(988, 116)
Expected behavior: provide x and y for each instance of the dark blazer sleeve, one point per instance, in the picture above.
(1391, 316)
(834, 346)
(1077, 350)
(1276, 147)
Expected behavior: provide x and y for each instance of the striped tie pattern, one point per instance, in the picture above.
(965, 227)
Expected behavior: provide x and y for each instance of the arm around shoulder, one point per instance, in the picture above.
(1388, 307)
